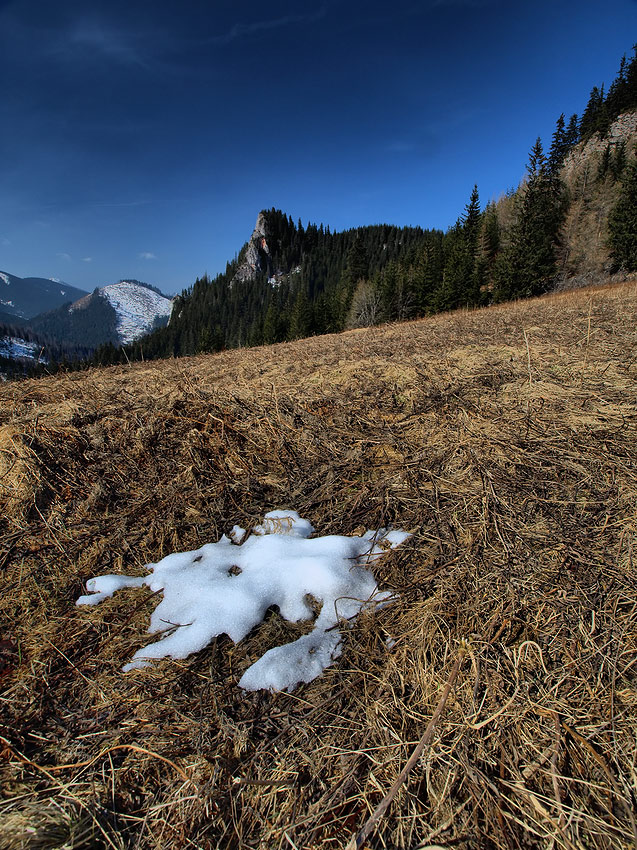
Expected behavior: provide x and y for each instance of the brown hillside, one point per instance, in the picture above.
(505, 438)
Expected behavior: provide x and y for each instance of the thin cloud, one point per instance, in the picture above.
(64, 256)
(239, 31)
(87, 259)
(146, 255)
(4, 241)
(91, 39)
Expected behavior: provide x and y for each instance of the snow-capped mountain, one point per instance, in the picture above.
(139, 308)
(25, 297)
(119, 313)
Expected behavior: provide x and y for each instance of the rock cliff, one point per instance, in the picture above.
(593, 184)
(257, 253)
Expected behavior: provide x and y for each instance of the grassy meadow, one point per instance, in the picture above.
(505, 439)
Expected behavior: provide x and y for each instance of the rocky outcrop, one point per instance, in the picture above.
(257, 253)
(623, 129)
(593, 192)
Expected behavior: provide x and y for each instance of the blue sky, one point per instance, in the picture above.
(141, 139)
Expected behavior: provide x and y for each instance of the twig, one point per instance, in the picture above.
(602, 763)
(528, 355)
(358, 840)
(54, 768)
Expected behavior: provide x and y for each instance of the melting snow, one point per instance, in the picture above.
(16, 348)
(227, 588)
(137, 308)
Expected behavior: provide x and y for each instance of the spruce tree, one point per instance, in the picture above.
(529, 265)
(571, 136)
(622, 224)
(471, 220)
(630, 92)
(559, 146)
(618, 161)
(301, 315)
(617, 100)
(592, 113)
(604, 163)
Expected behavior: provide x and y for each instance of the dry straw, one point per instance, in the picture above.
(505, 438)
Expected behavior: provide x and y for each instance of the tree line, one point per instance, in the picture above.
(314, 281)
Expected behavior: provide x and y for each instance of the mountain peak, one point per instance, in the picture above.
(138, 306)
(26, 297)
(257, 252)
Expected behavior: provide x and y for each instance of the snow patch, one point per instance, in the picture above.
(5, 278)
(137, 308)
(227, 588)
(16, 348)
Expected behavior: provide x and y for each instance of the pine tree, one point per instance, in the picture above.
(559, 146)
(618, 161)
(617, 100)
(461, 278)
(457, 273)
(270, 325)
(301, 315)
(357, 263)
(630, 92)
(529, 265)
(622, 224)
(592, 113)
(571, 136)
(604, 163)
(471, 220)
(488, 250)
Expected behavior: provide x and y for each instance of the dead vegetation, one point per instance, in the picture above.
(505, 438)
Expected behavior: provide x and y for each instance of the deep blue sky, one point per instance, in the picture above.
(141, 138)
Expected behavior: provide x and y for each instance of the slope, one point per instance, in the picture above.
(25, 297)
(505, 439)
(116, 314)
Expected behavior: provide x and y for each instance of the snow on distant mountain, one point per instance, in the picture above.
(119, 314)
(139, 309)
(16, 348)
(25, 297)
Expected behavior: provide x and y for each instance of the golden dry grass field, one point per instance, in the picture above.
(505, 439)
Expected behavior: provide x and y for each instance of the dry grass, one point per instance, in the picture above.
(506, 438)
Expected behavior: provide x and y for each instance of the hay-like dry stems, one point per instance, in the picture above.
(506, 439)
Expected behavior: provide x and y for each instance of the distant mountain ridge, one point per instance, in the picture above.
(26, 297)
(117, 314)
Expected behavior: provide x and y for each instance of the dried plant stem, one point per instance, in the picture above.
(528, 356)
(516, 469)
(602, 763)
(358, 840)
(55, 768)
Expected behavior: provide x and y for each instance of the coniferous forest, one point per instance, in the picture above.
(308, 280)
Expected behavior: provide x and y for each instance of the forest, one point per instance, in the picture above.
(312, 281)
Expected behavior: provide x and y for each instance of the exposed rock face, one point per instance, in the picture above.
(584, 253)
(623, 129)
(257, 253)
